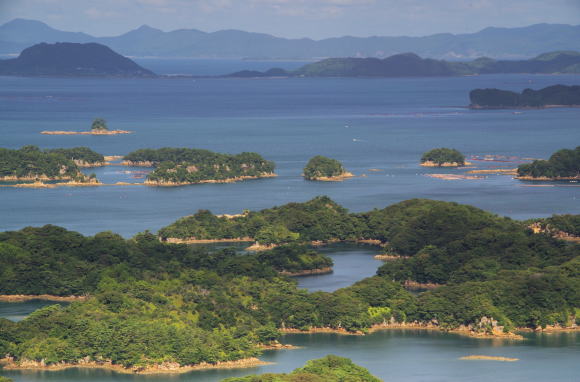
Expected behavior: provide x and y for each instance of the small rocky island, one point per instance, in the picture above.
(182, 166)
(443, 157)
(98, 127)
(66, 59)
(30, 164)
(325, 169)
(551, 96)
(563, 165)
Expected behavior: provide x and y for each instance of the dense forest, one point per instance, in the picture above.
(183, 165)
(320, 167)
(556, 95)
(82, 155)
(443, 156)
(328, 369)
(151, 302)
(563, 164)
(30, 162)
(411, 65)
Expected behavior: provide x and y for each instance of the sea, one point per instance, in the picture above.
(378, 128)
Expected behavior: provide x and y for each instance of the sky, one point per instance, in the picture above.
(293, 18)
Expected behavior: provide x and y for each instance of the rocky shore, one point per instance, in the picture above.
(337, 178)
(96, 132)
(207, 241)
(545, 178)
(228, 180)
(46, 297)
(308, 272)
(162, 368)
(444, 164)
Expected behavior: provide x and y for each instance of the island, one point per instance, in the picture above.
(183, 166)
(98, 127)
(67, 59)
(549, 97)
(411, 65)
(443, 157)
(151, 306)
(325, 169)
(563, 165)
(328, 369)
(29, 163)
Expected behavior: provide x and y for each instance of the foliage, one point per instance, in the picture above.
(99, 124)
(83, 154)
(294, 258)
(31, 162)
(328, 369)
(320, 166)
(551, 95)
(443, 155)
(563, 163)
(183, 165)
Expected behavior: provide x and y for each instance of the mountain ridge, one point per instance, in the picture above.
(495, 42)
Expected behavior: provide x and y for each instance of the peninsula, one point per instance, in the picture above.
(563, 165)
(325, 169)
(443, 157)
(549, 97)
(29, 163)
(182, 166)
(197, 307)
(66, 59)
(411, 65)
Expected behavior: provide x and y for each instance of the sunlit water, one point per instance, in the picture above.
(383, 124)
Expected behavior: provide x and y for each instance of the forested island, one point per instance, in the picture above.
(181, 166)
(443, 157)
(67, 59)
(30, 163)
(328, 369)
(411, 65)
(551, 96)
(98, 127)
(325, 169)
(153, 306)
(563, 165)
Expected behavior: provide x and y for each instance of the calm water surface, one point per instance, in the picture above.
(383, 124)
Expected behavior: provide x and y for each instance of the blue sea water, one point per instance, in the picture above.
(383, 124)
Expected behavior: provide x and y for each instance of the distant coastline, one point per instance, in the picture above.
(98, 132)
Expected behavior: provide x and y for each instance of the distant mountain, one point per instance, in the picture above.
(557, 95)
(411, 65)
(72, 60)
(146, 41)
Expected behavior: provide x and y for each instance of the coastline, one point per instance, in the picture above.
(463, 331)
(308, 272)
(228, 180)
(387, 257)
(175, 240)
(338, 178)
(545, 178)
(45, 297)
(107, 132)
(483, 107)
(444, 164)
(163, 368)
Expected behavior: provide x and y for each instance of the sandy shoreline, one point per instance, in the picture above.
(444, 164)
(545, 178)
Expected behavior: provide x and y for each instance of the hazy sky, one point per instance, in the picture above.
(293, 18)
